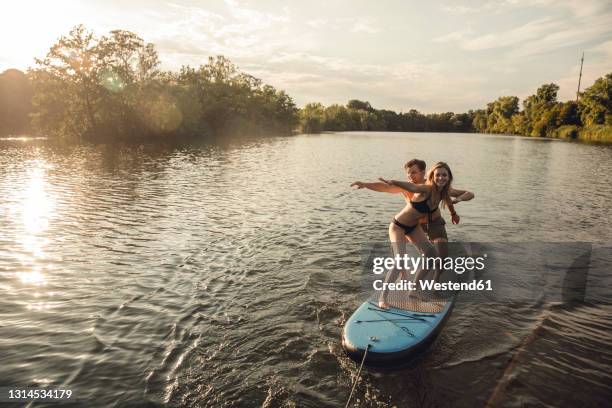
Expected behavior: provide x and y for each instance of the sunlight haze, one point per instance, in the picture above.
(399, 55)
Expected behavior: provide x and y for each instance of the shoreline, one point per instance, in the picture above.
(595, 135)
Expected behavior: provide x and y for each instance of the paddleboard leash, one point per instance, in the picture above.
(358, 375)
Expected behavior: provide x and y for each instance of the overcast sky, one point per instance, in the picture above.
(397, 54)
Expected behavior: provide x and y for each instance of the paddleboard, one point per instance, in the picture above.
(396, 335)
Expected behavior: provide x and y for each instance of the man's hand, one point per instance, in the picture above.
(358, 184)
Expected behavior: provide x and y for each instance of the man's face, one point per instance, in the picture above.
(415, 175)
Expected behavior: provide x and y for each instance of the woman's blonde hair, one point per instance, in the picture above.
(445, 198)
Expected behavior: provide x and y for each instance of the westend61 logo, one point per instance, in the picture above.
(412, 264)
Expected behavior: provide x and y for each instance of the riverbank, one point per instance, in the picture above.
(595, 133)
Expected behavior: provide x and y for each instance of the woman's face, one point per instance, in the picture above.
(441, 177)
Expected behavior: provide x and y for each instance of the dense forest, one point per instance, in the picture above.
(111, 88)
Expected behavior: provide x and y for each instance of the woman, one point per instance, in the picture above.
(432, 224)
(425, 201)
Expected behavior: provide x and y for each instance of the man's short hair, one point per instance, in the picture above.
(419, 163)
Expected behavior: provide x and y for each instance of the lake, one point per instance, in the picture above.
(221, 274)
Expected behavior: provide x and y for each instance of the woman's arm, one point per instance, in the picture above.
(454, 216)
(460, 195)
(407, 186)
(380, 187)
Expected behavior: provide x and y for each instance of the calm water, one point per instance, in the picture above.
(221, 275)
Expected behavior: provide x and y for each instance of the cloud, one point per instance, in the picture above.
(603, 49)
(317, 23)
(345, 24)
(496, 7)
(455, 36)
(517, 36)
(459, 9)
(542, 35)
(190, 34)
(398, 86)
(364, 26)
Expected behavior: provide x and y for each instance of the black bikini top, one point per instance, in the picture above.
(422, 206)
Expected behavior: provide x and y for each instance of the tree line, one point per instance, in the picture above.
(111, 87)
(360, 115)
(542, 116)
(108, 88)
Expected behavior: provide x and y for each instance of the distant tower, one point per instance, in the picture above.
(580, 77)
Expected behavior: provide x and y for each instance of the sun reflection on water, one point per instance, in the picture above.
(33, 208)
(34, 278)
(37, 205)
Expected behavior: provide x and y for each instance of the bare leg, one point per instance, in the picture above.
(425, 247)
(398, 244)
(442, 248)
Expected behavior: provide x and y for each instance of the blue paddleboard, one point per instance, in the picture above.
(394, 335)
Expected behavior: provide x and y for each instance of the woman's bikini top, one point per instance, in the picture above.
(422, 206)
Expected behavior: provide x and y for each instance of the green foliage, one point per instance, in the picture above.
(15, 102)
(596, 133)
(361, 116)
(359, 105)
(595, 103)
(479, 121)
(568, 114)
(231, 100)
(543, 116)
(111, 88)
(500, 112)
(566, 132)
(93, 88)
(338, 118)
(312, 118)
(520, 124)
(537, 110)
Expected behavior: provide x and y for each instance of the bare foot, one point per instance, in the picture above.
(382, 303)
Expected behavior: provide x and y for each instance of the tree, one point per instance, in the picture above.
(595, 103)
(89, 87)
(480, 121)
(568, 114)
(537, 109)
(111, 87)
(231, 100)
(127, 55)
(520, 124)
(499, 120)
(312, 118)
(338, 118)
(67, 93)
(359, 105)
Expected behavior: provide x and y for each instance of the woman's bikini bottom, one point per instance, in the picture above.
(407, 228)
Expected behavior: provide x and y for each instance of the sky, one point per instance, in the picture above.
(439, 56)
